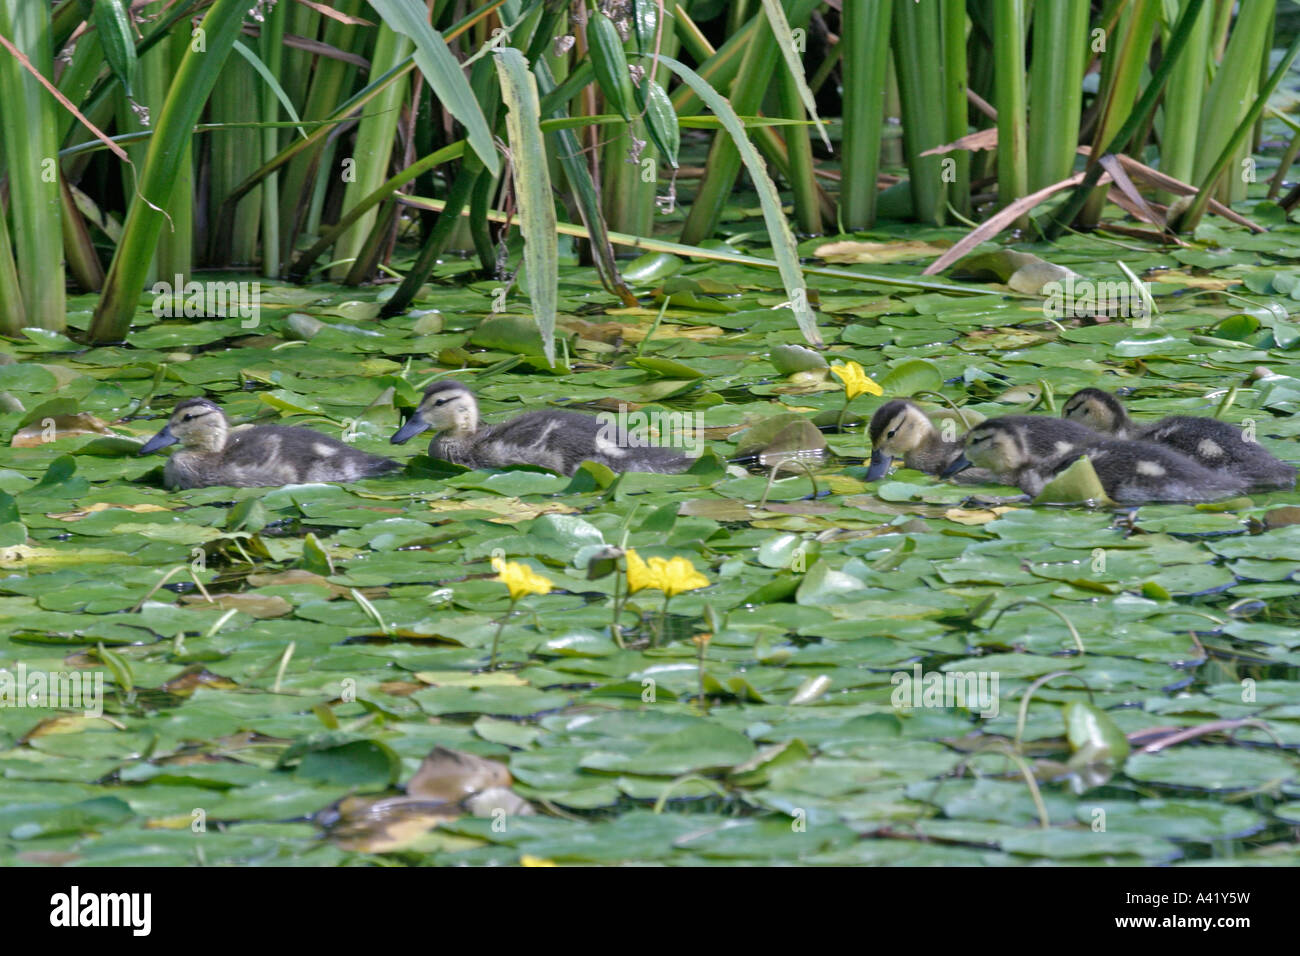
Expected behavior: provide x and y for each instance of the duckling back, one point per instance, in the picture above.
(1209, 442)
(1048, 437)
(267, 455)
(557, 440)
(1139, 472)
(1045, 441)
(1222, 447)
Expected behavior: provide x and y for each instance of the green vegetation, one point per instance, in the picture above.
(735, 664)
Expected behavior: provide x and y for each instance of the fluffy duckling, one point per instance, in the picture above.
(1209, 442)
(899, 429)
(557, 440)
(1131, 472)
(212, 453)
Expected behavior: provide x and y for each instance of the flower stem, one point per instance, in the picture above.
(496, 638)
(704, 703)
(663, 621)
(839, 424)
(614, 627)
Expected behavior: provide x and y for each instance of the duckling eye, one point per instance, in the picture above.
(189, 418)
(892, 432)
(439, 402)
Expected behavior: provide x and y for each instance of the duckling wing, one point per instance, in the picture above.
(1049, 438)
(561, 441)
(1221, 446)
(282, 455)
(548, 439)
(1137, 472)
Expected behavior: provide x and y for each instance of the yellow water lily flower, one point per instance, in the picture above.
(520, 578)
(639, 575)
(658, 574)
(856, 382)
(679, 575)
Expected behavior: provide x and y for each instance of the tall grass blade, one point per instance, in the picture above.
(532, 191)
(784, 249)
(1009, 84)
(866, 61)
(410, 17)
(1242, 133)
(193, 83)
(1232, 92)
(1175, 49)
(794, 66)
(917, 45)
(1056, 89)
(374, 148)
(1180, 135)
(28, 119)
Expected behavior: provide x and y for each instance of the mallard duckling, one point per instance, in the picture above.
(1131, 472)
(899, 429)
(553, 439)
(1211, 443)
(212, 453)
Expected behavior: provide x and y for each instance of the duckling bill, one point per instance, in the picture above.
(558, 440)
(1211, 443)
(212, 453)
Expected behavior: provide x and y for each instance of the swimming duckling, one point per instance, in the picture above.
(212, 453)
(899, 429)
(1131, 472)
(1211, 443)
(557, 440)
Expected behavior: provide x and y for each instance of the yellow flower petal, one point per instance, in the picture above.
(856, 382)
(520, 578)
(639, 575)
(677, 575)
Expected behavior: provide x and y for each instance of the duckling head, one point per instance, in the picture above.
(448, 407)
(1100, 411)
(198, 424)
(897, 428)
(995, 446)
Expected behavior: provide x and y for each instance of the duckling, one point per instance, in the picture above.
(901, 426)
(899, 429)
(1131, 472)
(1211, 443)
(212, 453)
(557, 440)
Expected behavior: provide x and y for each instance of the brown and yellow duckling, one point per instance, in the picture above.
(1211, 443)
(1131, 472)
(899, 429)
(549, 438)
(212, 453)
